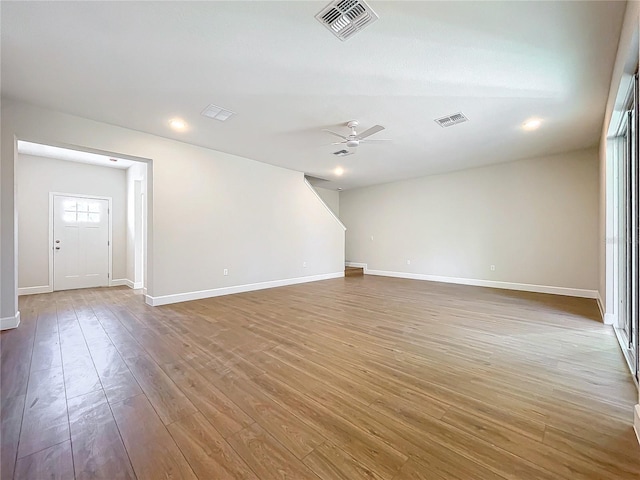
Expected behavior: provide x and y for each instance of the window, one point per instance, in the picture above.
(81, 211)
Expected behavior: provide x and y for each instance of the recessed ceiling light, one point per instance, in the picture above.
(338, 171)
(177, 124)
(532, 124)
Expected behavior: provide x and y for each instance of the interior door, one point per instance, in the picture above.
(80, 242)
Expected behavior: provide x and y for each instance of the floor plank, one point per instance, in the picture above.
(330, 462)
(52, 463)
(165, 396)
(296, 435)
(45, 422)
(10, 424)
(207, 451)
(98, 451)
(269, 459)
(116, 378)
(16, 351)
(152, 450)
(216, 407)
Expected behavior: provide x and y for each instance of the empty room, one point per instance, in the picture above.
(314, 240)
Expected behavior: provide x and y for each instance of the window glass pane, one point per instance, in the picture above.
(94, 207)
(83, 216)
(94, 217)
(69, 217)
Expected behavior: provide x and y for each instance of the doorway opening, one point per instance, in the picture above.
(81, 218)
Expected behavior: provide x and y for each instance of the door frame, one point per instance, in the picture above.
(622, 152)
(51, 240)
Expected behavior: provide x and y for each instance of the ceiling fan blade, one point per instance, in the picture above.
(375, 140)
(370, 131)
(338, 143)
(334, 133)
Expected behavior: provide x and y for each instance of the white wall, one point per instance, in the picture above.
(136, 192)
(536, 220)
(207, 210)
(9, 314)
(621, 77)
(331, 198)
(36, 177)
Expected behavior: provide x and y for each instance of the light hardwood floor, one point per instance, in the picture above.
(356, 378)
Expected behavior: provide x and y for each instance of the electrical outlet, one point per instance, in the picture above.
(304, 264)
(408, 262)
(225, 272)
(493, 268)
(372, 238)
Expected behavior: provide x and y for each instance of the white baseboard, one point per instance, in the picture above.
(607, 318)
(118, 282)
(10, 322)
(34, 290)
(636, 421)
(216, 292)
(600, 307)
(48, 289)
(525, 287)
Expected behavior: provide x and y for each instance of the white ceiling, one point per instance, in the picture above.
(139, 64)
(59, 153)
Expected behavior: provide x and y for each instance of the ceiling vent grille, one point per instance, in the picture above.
(342, 153)
(345, 18)
(217, 113)
(451, 120)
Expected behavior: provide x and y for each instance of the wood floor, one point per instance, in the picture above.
(356, 378)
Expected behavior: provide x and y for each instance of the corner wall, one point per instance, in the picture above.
(136, 177)
(535, 220)
(207, 211)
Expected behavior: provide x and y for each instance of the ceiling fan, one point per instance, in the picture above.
(354, 139)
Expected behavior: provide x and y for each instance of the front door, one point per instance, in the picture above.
(80, 242)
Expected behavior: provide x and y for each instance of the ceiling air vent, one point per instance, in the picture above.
(217, 113)
(345, 18)
(451, 120)
(342, 153)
